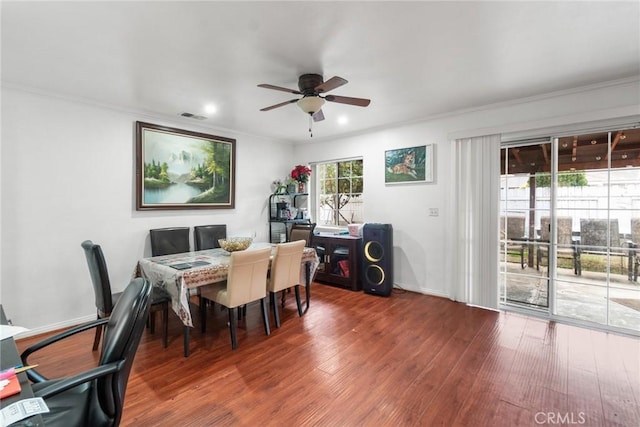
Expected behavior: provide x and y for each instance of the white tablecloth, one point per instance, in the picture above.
(177, 283)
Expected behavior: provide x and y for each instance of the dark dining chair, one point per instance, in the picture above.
(95, 397)
(512, 232)
(601, 237)
(167, 241)
(566, 248)
(634, 245)
(106, 300)
(246, 282)
(300, 231)
(207, 236)
(285, 274)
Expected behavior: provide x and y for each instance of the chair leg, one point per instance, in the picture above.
(152, 322)
(274, 307)
(242, 311)
(232, 328)
(297, 289)
(265, 315)
(165, 324)
(307, 285)
(203, 315)
(96, 340)
(186, 338)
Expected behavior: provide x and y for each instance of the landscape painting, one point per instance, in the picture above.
(179, 169)
(412, 164)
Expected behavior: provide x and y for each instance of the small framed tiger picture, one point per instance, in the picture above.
(406, 165)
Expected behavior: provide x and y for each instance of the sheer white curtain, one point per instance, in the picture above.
(476, 223)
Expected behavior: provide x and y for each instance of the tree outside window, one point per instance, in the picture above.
(340, 198)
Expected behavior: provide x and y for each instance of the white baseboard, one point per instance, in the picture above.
(55, 326)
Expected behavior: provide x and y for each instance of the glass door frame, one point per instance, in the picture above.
(584, 204)
(529, 237)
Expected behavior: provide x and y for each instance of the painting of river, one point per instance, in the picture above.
(179, 169)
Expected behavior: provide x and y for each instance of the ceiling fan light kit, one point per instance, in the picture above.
(310, 104)
(311, 86)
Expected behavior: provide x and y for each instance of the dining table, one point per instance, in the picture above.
(179, 274)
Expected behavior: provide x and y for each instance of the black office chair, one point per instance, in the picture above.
(105, 300)
(206, 236)
(167, 241)
(96, 397)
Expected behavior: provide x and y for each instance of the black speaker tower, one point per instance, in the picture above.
(377, 259)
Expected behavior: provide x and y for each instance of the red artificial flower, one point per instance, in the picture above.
(301, 173)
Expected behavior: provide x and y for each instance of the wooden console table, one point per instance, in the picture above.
(339, 260)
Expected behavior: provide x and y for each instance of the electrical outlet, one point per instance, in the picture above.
(433, 211)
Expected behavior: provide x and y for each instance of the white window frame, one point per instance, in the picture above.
(315, 200)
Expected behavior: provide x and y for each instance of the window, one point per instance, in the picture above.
(340, 192)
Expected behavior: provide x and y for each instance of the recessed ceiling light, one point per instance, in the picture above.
(343, 120)
(210, 109)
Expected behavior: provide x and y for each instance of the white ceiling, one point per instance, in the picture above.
(412, 59)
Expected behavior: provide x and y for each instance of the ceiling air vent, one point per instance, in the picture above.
(193, 116)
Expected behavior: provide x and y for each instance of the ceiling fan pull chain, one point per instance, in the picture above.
(310, 125)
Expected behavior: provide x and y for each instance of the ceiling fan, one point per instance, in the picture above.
(310, 87)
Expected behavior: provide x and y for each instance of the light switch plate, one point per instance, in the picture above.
(433, 211)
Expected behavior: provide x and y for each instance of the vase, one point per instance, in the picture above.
(291, 188)
(302, 187)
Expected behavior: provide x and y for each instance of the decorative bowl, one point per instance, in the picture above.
(233, 244)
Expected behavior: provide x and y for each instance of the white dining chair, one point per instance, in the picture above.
(285, 273)
(246, 282)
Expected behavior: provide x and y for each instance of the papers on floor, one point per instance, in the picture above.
(7, 331)
(22, 409)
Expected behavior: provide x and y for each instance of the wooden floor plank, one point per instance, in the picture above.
(356, 359)
(616, 390)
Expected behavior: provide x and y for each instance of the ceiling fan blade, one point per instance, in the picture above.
(360, 102)
(283, 89)
(318, 116)
(330, 84)
(282, 104)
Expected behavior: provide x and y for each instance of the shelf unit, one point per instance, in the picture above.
(339, 260)
(278, 225)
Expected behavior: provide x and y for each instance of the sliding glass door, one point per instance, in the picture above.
(576, 256)
(524, 281)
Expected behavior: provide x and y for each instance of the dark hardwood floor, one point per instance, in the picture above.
(361, 360)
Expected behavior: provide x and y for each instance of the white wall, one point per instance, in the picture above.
(424, 253)
(67, 175)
